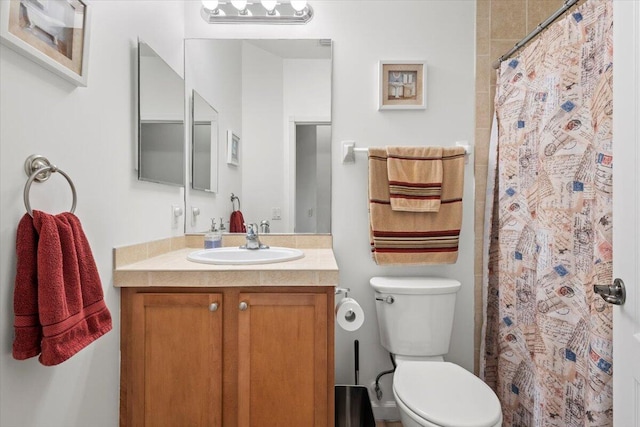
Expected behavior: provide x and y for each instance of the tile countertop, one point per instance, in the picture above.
(318, 267)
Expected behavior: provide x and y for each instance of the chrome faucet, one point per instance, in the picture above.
(253, 242)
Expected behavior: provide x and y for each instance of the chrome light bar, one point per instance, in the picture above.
(256, 13)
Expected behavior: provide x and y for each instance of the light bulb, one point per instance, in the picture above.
(239, 4)
(210, 4)
(269, 5)
(298, 5)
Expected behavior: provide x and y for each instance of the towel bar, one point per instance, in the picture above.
(38, 168)
(349, 149)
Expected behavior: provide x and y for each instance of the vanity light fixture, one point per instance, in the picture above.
(256, 11)
(298, 6)
(269, 6)
(241, 6)
(210, 4)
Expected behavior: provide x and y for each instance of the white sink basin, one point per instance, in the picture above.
(238, 256)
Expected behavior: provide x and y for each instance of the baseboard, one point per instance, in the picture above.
(387, 410)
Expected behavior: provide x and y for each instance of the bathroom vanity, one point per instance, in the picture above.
(226, 345)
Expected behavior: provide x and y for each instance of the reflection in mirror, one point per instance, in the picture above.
(204, 149)
(160, 120)
(313, 178)
(276, 96)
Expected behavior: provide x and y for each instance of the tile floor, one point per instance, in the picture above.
(388, 424)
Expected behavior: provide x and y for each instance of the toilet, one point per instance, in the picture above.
(415, 319)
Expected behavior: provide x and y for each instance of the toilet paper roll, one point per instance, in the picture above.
(349, 314)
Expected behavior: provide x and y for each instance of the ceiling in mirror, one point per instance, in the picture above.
(275, 97)
(160, 119)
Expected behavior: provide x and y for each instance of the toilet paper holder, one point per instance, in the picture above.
(350, 315)
(344, 291)
(348, 310)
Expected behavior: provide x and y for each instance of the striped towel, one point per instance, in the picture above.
(415, 238)
(415, 178)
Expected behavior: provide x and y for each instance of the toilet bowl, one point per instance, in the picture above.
(442, 394)
(415, 319)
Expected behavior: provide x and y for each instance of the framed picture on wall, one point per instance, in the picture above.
(233, 148)
(402, 85)
(52, 33)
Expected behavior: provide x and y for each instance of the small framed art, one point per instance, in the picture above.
(402, 85)
(233, 148)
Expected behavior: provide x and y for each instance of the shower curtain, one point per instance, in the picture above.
(547, 336)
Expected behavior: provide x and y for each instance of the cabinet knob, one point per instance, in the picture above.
(243, 306)
(213, 306)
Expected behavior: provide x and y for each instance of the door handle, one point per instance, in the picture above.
(613, 294)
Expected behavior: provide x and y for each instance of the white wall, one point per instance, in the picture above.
(306, 167)
(323, 179)
(307, 88)
(306, 98)
(161, 90)
(90, 133)
(220, 83)
(440, 32)
(262, 136)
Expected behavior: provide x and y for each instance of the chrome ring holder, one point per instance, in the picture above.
(235, 198)
(38, 168)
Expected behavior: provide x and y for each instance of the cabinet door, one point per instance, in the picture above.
(177, 360)
(282, 361)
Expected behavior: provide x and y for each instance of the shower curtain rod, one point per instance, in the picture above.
(566, 6)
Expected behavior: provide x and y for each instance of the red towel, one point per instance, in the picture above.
(236, 223)
(28, 332)
(70, 309)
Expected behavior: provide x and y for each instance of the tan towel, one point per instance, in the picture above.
(415, 238)
(415, 178)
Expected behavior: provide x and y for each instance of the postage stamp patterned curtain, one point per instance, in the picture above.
(548, 346)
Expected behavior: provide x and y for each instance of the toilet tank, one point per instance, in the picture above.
(415, 314)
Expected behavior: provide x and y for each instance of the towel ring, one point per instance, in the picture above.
(233, 199)
(40, 169)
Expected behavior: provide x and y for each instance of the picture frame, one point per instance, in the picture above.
(52, 33)
(233, 149)
(402, 85)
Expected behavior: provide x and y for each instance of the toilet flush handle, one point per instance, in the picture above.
(388, 299)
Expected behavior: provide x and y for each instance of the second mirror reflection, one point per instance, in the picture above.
(204, 150)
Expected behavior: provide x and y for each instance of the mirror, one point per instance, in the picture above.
(204, 140)
(274, 96)
(160, 120)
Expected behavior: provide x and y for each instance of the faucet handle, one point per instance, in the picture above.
(252, 229)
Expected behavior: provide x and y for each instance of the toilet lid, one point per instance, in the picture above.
(446, 394)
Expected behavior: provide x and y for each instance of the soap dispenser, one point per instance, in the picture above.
(213, 238)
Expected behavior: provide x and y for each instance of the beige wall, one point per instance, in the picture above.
(500, 24)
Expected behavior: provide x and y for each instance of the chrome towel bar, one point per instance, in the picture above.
(38, 168)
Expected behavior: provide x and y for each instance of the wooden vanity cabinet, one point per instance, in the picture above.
(260, 356)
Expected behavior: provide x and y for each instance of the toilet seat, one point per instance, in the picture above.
(445, 394)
